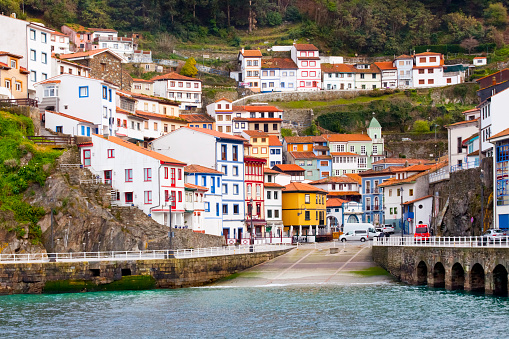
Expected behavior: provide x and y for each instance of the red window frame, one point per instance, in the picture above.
(87, 155)
(125, 123)
(180, 174)
(111, 153)
(148, 197)
(118, 122)
(166, 172)
(173, 177)
(147, 174)
(196, 85)
(180, 196)
(173, 199)
(166, 196)
(129, 175)
(125, 196)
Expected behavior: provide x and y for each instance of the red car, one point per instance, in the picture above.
(422, 232)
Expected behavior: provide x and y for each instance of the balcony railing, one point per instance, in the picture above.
(19, 102)
(465, 165)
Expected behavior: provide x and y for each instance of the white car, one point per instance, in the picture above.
(361, 235)
(388, 229)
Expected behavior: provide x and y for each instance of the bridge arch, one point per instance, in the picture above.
(457, 277)
(422, 273)
(477, 279)
(439, 275)
(500, 281)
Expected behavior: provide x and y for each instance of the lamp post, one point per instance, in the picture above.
(170, 233)
(402, 220)
(251, 204)
(482, 203)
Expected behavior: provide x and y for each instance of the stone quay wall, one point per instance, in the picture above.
(471, 269)
(35, 278)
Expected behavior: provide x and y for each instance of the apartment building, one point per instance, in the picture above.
(173, 86)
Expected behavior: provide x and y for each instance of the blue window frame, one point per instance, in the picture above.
(207, 206)
(225, 209)
(105, 92)
(109, 95)
(88, 131)
(83, 91)
(278, 151)
(210, 126)
(204, 125)
(217, 209)
(82, 130)
(235, 209)
(218, 182)
(204, 181)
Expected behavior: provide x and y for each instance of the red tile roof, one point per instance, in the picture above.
(4, 65)
(143, 80)
(149, 115)
(355, 177)
(270, 171)
(346, 137)
(198, 117)
(385, 65)
(415, 200)
(304, 139)
(274, 141)
(51, 82)
(285, 63)
(258, 119)
(404, 56)
(400, 161)
(194, 168)
(251, 53)
(413, 168)
(2, 53)
(87, 54)
(256, 134)
(335, 202)
(481, 57)
(223, 98)
(462, 123)
(500, 134)
(305, 47)
(217, 134)
(300, 187)
(142, 150)
(71, 117)
(173, 76)
(272, 184)
(288, 168)
(259, 108)
(337, 68)
(334, 180)
(427, 53)
(343, 193)
(303, 155)
(196, 187)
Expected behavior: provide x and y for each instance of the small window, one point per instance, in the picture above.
(83, 91)
(128, 175)
(147, 174)
(111, 153)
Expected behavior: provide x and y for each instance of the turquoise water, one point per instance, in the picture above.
(355, 311)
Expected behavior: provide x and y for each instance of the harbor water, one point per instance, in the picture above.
(379, 309)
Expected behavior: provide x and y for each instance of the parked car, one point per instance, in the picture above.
(388, 229)
(422, 232)
(406, 139)
(361, 235)
(493, 235)
(380, 233)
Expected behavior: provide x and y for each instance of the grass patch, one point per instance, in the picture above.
(372, 272)
(307, 104)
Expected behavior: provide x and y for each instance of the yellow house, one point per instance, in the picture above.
(304, 208)
(13, 77)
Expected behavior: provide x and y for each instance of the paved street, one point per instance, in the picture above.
(312, 264)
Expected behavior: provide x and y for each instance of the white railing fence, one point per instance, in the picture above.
(141, 255)
(444, 242)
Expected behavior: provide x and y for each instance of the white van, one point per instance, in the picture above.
(349, 227)
(361, 235)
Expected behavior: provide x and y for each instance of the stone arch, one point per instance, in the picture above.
(500, 281)
(439, 275)
(457, 277)
(422, 273)
(477, 280)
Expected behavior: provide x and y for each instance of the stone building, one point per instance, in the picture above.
(104, 64)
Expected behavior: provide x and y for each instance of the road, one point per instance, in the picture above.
(312, 264)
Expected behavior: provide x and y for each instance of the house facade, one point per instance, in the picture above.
(389, 74)
(250, 62)
(404, 65)
(367, 76)
(338, 77)
(255, 198)
(185, 90)
(306, 57)
(278, 75)
(457, 134)
(13, 77)
(273, 205)
(501, 179)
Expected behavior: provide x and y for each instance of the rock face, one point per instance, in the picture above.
(84, 221)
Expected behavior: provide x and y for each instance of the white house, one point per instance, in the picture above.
(457, 134)
(139, 177)
(273, 203)
(367, 76)
(222, 111)
(180, 88)
(275, 151)
(278, 75)
(68, 124)
(142, 86)
(338, 77)
(250, 62)
(194, 207)
(404, 65)
(429, 71)
(306, 57)
(500, 179)
(90, 99)
(59, 43)
(389, 74)
(61, 66)
(122, 46)
(221, 152)
(480, 61)
(493, 119)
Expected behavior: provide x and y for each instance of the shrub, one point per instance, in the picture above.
(421, 126)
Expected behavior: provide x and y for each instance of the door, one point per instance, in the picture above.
(107, 177)
(266, 128)
(240, 236)
(88, 131)
(86, 157)
(226, 234)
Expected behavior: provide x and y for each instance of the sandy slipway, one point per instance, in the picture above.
(314, 264)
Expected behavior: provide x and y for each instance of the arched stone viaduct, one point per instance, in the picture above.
(477, 269)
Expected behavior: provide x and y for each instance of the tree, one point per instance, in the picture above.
(421, 126)
(312, 130)
(286, 132)
(469, 44)
(189, 68)
(496, 14)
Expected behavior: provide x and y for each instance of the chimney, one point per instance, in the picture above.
(106, 135)
(494, 81)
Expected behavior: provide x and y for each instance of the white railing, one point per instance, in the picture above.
(63, 166)
(502, 241)
(140, 255)
(441, 174)
(90, 181)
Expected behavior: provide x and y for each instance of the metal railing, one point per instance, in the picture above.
(441, 174)
(52, 139)
(465, 165)
(19, 102)
(467, 242)
(141, 255)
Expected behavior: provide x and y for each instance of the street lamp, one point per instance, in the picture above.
(482, 203)
(402, 221)
(170, 233)
(251, 204)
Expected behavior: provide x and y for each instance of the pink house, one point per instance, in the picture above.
(307, 60)
(82, 38)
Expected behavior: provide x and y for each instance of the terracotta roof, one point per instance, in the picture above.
(251, 53)
(335, 202)
(102, 30)
(385, 65)
(305, 47)
(339, 154)
(2, 53)
(216, 134)
(253, 133)
(304, 140)
(197, 117)
(355, 177)
(142, 150)
(372, 69)
(87, 54)
(272, 185)
(196, 187)
(143, 80)
(173, 76)
(161, 100)
(159, 116)
(285, 63)
(394, 181)
(400, 161)
(343, 193)
(4, 65)
(250, 158)
(51, 82)
(413, 168)
(384, 171)
(427, 53)
(194, 168)
(481, 57)
(23, 70)
(302, 155)
(300, 187)
(415, 200)
(257, 108)
(274, 141)
(346, 137)
(121, 110)
(288, 168)
(500, 134)
(334, 180)
(71, 117)
(258, 119)
(404, 56)
(270, 171)
(58, 33)
(337, 68)
(471, 110)
(462, 123)
(321, 148)
(223, 98)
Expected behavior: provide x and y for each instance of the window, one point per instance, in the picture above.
(268, 195)
(32, 55)
(32, 34)
(431, 70)
(18, 86)
(180, 196)
(235, 171)
(449, 80)
(147, 174)
(207, 206)
(155, 126)
(223, 152)
(111, 152)
(411, 192)
(235, 189)
(225, 209)
(275, 195)
(148, 197)
(172, 182)
(235, 153)
(225, 189)
(44, 58)
(363, 150)
(128, 175)
(128, 196)
(307, 215)
(307, 199)
(431, 81)
(83, 91)
(269, 213)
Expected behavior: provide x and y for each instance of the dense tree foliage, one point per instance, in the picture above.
(361, 26)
